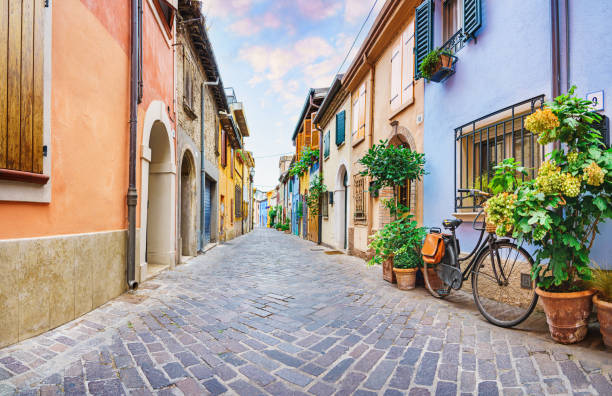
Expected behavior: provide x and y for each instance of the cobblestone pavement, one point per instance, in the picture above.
(268, 313)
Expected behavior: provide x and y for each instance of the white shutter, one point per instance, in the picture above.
(408, 64)
(396, 76)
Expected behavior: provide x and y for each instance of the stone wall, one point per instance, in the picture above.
(49, 281)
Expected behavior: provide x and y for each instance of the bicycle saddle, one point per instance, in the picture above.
(451, 223)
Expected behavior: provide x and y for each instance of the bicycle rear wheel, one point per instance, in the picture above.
(502, 287)
(433, 283)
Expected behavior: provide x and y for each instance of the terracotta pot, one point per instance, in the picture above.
(287, 231)
(446, 60)
(388, 273)
(566, 314)
(406, 278)
(604, 316)
(434, 280)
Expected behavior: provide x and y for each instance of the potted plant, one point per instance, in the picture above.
(438, 65)
(601, 282)
(406, 263)
(390, 166)
(559, 212)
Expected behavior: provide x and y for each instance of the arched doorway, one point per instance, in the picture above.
(341, 210)
(157, 233)
(188, 205)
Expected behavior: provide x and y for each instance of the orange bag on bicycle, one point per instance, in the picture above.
(433, 248)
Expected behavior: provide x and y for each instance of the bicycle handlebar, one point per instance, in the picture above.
(474, 191)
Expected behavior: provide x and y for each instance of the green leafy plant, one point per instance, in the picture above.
(395, 238)
(272, 212)
(407, 258)
(299, 209)
(499, 210)
(559, 212)
(430, 63)
(505, 178)
(601, 280)
(390, 166)
(317, 188)
(308, 158)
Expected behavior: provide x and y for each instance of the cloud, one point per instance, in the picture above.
(319, 9)
(227, 8)
(249, 26)
(356, 10)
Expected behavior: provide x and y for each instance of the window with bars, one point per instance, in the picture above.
(238, 201)
(483, 143)
(359, 191)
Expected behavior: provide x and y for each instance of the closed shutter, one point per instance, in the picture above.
(307, 134)
(362, 112)
(314, 135)
(408, 64)
(21, 85)
(472, 17)
(396, 76)
(340, 127)
(423, 33)
(232, 163)
(326, 145)
(223, 148)
(355, 123)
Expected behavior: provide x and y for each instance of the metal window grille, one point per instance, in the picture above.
(487, 141)
(359, 197)
(238, 201)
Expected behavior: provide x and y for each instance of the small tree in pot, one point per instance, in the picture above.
(559, 212)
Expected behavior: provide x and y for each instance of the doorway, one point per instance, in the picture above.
(188, 205)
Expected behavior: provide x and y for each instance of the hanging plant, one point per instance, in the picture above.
(317, 188)
(308, 158)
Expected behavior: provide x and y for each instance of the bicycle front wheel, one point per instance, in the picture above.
(501, 284)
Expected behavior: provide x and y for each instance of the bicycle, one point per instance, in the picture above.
(503, 290)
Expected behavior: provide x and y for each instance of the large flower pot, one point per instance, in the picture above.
(604, 316)
(566, 314)
(406, 278)
(388, 273)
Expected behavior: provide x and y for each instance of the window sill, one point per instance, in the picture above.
(339, 146)
(355, 143)
(25, 177)
(466, 216)
(395, 113)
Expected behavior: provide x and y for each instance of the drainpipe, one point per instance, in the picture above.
(555, 53)
(132, 194)
(320, 217)
(202, 172)
(567, 46)
(371, 138)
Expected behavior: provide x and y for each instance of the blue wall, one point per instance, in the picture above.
(509, 62)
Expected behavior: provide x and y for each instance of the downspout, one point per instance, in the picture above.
(202, 172)
(370, 139)
(132, 193)
(567, 46)
(320, 217)
(555, 53)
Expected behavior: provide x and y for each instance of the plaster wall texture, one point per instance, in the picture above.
(405, 115)
(49, 281)
(334, 168)
(508, 63)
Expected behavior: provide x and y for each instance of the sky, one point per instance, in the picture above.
(272, 51)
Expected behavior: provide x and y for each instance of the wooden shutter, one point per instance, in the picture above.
(340, 127)
(21, 85)
(314, 135)
(408, 64)
(232, 163)
(362, 112)
(307, 134)
(472, 17)
(423, 43)
(326, 145)
(355, 126)
(223, 148)
(396, 76)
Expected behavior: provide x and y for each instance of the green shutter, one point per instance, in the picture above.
(423, 34)
(326, 145)
(340, 127)
(472, 20)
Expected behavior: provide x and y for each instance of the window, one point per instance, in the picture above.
(359, 114)
(21, 84)
(326, 145)
(232, 163)
(487, 141)
(452, 18)
(166, 14)
(223, 148)
(325, 204)
(359, 198)
(402, 70)
(188, 96)
(340, 127)
(238, 201)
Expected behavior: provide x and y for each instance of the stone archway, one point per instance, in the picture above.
(157, 193)
(188, 205)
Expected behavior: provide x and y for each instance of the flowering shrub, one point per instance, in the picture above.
(499, 210)
(307, 159)
(314, 194)
(541, 122)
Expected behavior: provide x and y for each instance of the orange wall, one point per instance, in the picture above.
(89, 118)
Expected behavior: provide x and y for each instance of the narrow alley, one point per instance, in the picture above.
(269, 313)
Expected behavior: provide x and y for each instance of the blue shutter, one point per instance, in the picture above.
(340, 127)
(326, 145)
(423, 34)
(472, 18)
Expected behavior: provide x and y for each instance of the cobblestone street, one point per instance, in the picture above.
(268, 313)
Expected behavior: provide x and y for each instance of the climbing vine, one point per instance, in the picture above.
(314, 194)
(308, 158)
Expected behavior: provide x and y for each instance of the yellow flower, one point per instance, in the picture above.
(541, 121)
(593, 174)
(571, 185)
